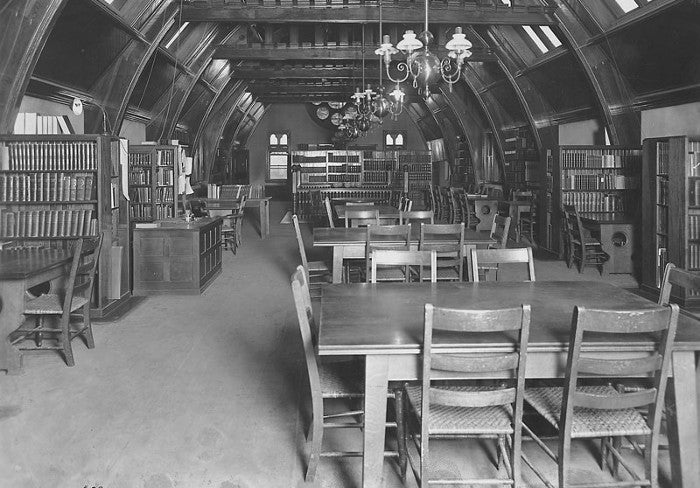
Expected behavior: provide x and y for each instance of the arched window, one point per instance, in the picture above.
(394, 139)
(278, 156)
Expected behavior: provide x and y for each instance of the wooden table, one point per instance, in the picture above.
(217, 208)
(384, 323)
(350, 244)
(20, 270)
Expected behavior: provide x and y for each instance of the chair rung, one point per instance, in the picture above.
(342, 425)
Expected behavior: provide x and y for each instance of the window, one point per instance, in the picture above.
(535, 38)
(176, 35)
(543, 38)
(627, 5)
(550, 35)
(394, 140)
(278, 155)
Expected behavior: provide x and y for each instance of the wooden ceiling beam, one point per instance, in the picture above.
(411, 12)
(303, 73)
(318, 53)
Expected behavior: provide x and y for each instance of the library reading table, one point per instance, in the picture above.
(20, 270)
(384, 323)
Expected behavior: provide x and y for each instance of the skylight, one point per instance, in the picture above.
(177, 34)
(627, 5)
(535, 38)
(550, 35)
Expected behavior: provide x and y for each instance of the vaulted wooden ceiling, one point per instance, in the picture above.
(201, 70)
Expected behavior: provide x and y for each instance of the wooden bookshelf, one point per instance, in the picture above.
(462, 174)
(153, 186)
(671, 211)
(57, 188)
(521, 160)
(601, 181)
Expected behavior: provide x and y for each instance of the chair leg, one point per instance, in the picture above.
(66, 342)
(87, 331)
(316, 439)
(39, 324)
(400, 431)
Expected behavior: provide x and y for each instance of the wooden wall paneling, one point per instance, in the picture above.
(25, 26)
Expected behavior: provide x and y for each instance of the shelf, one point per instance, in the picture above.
(51, 202)
(44, 238)
(605, 190)
(48, 171)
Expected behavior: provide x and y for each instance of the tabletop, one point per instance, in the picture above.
(18, 264)
(388, 318)
(326, 236)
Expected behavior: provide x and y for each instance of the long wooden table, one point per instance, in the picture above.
(384, 323)
(220, 208)
(20, 270)
(350, 244)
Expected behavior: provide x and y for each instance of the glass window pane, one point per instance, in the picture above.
(627, 5)
(550, 35)
(389, 140)
(273, 139)
(283, 140)
(535, 38)
(399, 140)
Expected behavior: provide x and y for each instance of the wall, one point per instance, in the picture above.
(585, 132)
(677, 120)
(134, 131)
(295, 119)
(45, 107)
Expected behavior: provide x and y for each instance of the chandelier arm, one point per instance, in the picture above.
(401, 66)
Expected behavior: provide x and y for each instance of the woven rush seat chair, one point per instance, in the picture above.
(333, 379)
(446, 408)
(582, 248)
(583, 411)
(64, 307)
(448, 241)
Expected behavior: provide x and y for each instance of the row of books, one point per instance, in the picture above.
(662, 189)
(693, 256)
(600, 158)
(164, 194)
(46, 187)
(141, 211)
(343, 158)
(33, 123)
(595, 201)
(380, 165)
(48, 223)
(165, 176)
(662, 156)
(597, 181)
(341, 178)
(139, 176)
(416, 168)
(345, 168)
(313, 169)
(140, 194)
(49, 155)
(694, 226)
(694, 158)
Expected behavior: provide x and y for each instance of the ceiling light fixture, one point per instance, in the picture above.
(424, 67)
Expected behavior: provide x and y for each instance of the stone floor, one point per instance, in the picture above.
(202, 392)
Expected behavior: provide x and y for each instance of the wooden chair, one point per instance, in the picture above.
(332, 380)
(448, 241)
(488, 259)
(452, 409)
(392, 237)
(435, 202)
(419, 215)
(361, 218)
(583, 248)
(232, 227)
(457, 215)
(584, 411)
(674, 276)
(485, 211)
(316, 271)
(445, 204)
(64, 306)
(386, 257)
(499, 232)
(527, 222)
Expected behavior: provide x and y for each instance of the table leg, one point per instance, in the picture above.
(337, 264)
(376, 384)
(11, 317)
(685, 445)
(264, 209)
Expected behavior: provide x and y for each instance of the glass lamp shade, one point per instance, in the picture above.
(459, 42)
(409, 43)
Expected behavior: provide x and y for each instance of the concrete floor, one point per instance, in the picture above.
(200, 392)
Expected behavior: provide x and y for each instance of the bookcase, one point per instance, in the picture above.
(521, 159)
(57, 188)
(365, 174)
(153, 172)
(462, 170)
(670, 211)
(601, 181)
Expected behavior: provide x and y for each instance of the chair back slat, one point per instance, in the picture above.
(475, 364)
(620, 367)
(448, 241)
(674, 276)
(405, 217)
(626, 321)
(458, 320)
(481, 257)
(386, 257)
(300, 243)
(614, 402)
(357, 218)
(485, 398)
(329, 212)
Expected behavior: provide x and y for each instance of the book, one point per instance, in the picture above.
(88, 188)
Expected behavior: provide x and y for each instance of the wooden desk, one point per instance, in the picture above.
(384, 323)
(20, 270)
(350, 244)
(218, 208)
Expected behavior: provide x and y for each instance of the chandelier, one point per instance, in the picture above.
(424, 67)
